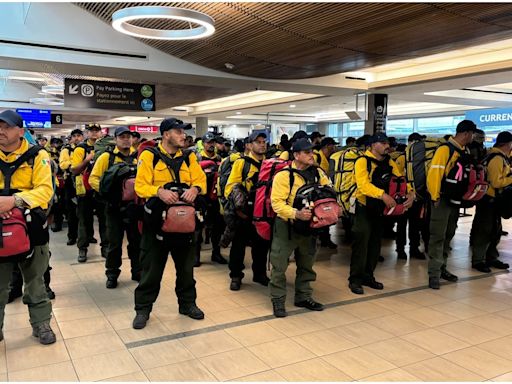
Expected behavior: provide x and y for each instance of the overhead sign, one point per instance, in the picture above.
(490, 117)
(56, 118)
(35, 118)
(109, 95)
(144, 128)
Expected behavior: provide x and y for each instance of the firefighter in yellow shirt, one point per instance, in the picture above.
(368, 221)
(149, 183)
(117, 218)
(487, 227)
(444, 214)
(285, 240)
(76, 138)
(29, 187)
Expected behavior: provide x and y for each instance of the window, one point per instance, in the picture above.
(438, 125)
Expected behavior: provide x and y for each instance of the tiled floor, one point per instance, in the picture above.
(407, 332)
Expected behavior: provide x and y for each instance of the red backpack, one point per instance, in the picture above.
(398, 191)
(211, 169)
(264, 215)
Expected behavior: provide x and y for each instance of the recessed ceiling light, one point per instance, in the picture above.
(292, 105)
(239, 113)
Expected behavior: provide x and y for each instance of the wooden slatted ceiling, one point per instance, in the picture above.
(301, 40)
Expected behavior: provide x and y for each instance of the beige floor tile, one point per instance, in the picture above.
(121, 320)
(77, 313)
(361, 333)
(94, 344)
(397, 324)
(159, 354)
(507, 313)
(501, 346)
(154, 328)
(281, 352)
(439, 369)
(390, 376)
(210, 343)
(16, 321)
(20, 359)
(397, 304)
(483, 363)
(506, 377)
(3, 377)
(424, 298)
(367, 310)
(104, 366)
(84, 327)
(324, 342)
(470, 333)
(499, 325)
(248, 298)
(116, 306)
(129, 378)
(216, 304)
(257, 333)
(3, 360)
(15, 307)
(263, 309)
(294, 325)
(459, 310)
(399, 352)
(222, 366)
(429, 317)
(230, 316)
(435, 341)
(191, 370)
(184, 324)
(271, 376)
(484, 304)
(332, 317)
(312, 370)
(358, 363)
(54, 372)
(72, 300)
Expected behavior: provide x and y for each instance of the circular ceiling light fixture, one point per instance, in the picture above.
(121, 22)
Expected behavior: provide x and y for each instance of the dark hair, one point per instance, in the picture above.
(350, 140)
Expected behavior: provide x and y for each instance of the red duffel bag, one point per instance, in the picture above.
(179, 218)
(15, 241)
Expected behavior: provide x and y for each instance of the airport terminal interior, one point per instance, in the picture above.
(233, 69)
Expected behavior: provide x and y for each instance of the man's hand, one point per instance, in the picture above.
(7, 203)
(388, 200)
(89, 157)
(411, 196)
(168, 197)
(190, 195)
(304, 214)
(436, 203)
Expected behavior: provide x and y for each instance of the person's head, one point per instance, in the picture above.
(239, 146)
(328, 146)
(173, 132)
(465, 131)
(227, 145)
(504, 142)
(284, 137)
(189, 141)
(42, 141)
(316, 137)
(350, 141)
(220, 144)
(299, 135)
(209, 142)
(302, 150)
(363, 141)
(392, 144)
(136, 139)
(379, 144)
(11, 130)
(479, 137)
(123, 137)
(415, 136)
(76, 137)
(56, 142)
(258, 143)
(93, 131)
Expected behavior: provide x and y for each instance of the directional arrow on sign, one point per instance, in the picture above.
(73, 89)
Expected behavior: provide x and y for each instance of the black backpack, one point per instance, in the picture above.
(112, 180)
(381, 178)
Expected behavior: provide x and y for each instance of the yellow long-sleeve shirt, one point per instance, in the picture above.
(440, 166)
(204, 156)
(400, 162)
(324, 161)
(236, 175)
(101, 165)
(34, 182)
(65, 158)
(364, 179)
(282, 196)
(498, 172)
(79, 154)
(149, 179)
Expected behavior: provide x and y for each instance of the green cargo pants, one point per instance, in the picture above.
(85, 212)
(443, 224)
(281, 249)
(34, 291)
(486, 231)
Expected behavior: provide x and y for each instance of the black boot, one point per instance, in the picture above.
(279, 308)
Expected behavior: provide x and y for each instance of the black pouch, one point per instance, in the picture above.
(38, 227)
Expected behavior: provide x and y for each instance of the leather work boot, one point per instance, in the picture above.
(236, 283)
(192, 311)
(82, 255)
(111, 283)
(433, 283)
(279, 308)
(140, 320)
(310, 304)
(44, 333)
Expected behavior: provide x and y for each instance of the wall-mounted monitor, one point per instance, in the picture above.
(36, 118)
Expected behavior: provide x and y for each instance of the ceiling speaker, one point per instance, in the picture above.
(354, 115)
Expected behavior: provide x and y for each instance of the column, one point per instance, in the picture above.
(201, 126)
(377, 113)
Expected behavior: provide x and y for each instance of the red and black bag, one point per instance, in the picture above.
(179, 218)
(15, 240)
(264, 215)
(398, 191)
(211, 169)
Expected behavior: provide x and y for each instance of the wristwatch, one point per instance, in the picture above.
(19, 202)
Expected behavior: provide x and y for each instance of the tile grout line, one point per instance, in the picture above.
(259, 319)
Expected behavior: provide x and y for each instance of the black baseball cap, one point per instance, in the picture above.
(11, 118)
(136, 134)
(121, 130)
(302, 145)
(91, 127)
(208, 136)
(316, 134)
(56, 140)
(173, 123)
(328, 141)
(76, 132)
(415, 136)
(378, 138)
(466, 126)
(299, 135)
(503, 138)
(253, 136)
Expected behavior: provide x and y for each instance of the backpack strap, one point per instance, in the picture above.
(174, 165)
(248, 161)
(8, 169)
